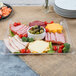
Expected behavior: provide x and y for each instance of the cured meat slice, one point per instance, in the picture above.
(60, 38)
(23, 30)
(53, 38)
(20, 46)
(8, 45)
(20, 41)
(14, 29)
(48, 37)
(39, 23)
(12, 44)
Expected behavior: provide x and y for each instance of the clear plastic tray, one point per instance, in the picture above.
(66, 33)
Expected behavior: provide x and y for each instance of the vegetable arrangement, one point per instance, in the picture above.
(53, 40)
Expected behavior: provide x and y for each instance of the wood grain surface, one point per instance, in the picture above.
(45, 65)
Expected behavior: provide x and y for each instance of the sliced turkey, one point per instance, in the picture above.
(9, 46)
(20, 41)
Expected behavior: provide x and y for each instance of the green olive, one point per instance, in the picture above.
(37, 33)
(30, 31)
(41, 31)
(35, 26)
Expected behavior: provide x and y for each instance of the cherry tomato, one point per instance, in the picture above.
(28, 51)
(0, 16)
(25, 35)
(18, 23)
(20, 35)
(60, 50)
(22, 51)
(47, 30)
(15, 24)
(61, 46)
(45, 22)
(52, 22)
(55, 48)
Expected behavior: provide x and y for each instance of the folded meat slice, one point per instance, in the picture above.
(60, 38)
(16, 28)
(12, 44)
(23, 30)
(53, 38)
(20, 41)
(46, 37)
(50, 37)
(17, 44)
(39, 23)
(9, 46)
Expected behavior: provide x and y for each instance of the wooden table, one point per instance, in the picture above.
(45, 65)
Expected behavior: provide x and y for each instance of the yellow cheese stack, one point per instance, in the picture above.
(54, 27)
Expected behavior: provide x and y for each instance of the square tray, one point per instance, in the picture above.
(65, 30)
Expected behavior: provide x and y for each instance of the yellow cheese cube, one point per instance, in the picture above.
(54, 27)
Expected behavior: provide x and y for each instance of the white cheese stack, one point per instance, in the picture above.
(38, 46)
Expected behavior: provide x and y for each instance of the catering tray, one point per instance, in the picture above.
(65, 30)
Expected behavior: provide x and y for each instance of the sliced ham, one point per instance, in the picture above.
(26, 30)
(16, 28)
(9, 46)
(53, 38)
(60, 38)
(46, 37)
(50, 37)
(23, 30)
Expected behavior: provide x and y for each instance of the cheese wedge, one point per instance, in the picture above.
(38, 46)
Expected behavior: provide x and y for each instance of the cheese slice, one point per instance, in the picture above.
(38, 46)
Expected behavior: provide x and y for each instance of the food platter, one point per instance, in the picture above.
(35, 42)
(10, 11)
